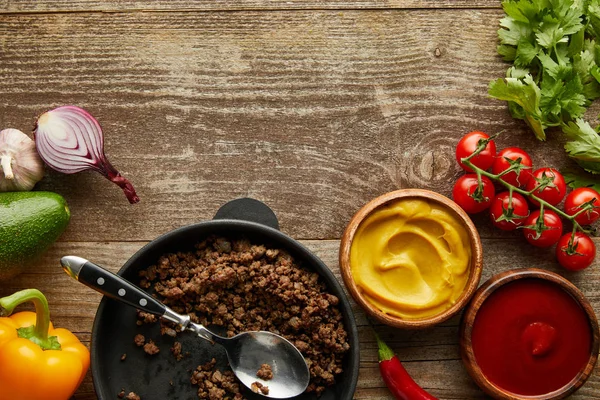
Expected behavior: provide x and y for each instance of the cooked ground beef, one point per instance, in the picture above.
(265, 372)
(130, 396)
(139, 340)
(241, 287)
(167, 330)
(214, 384)
(176, 350)
(144, 317)
(259, 387)
(151, 348)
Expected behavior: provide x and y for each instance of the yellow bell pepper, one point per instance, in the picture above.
(37, 362)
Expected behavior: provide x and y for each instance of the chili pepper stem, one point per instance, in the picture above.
(383, 350)
(39, 332)
(395, 376)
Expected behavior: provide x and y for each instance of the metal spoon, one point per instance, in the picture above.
(246, 351)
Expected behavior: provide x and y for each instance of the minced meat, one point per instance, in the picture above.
(130, 396)
(176, 350)
(265, 372)
(151, 348)
(214, 384)
(259, 387)
(244, 287)
(139, 340)
(144, 317)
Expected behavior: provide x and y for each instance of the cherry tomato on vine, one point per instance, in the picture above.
(507, 216)
(544, 235)
(466, 194)
(550, 183)
(506, 158)
(577, 198)
(468, 144)
(579, 255)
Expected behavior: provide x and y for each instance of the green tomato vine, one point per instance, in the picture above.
(542, 183)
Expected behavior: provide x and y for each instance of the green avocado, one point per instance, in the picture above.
(29, 223)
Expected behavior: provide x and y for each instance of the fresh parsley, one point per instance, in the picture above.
(555, 74)
(578, 178)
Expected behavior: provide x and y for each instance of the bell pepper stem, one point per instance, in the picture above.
(39, 333)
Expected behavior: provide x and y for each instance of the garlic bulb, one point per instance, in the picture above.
(20, 165)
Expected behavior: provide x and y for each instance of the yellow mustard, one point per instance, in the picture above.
(411, 258)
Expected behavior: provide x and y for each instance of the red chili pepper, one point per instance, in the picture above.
(402, 386)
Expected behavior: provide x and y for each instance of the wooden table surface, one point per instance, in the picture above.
(314, 107)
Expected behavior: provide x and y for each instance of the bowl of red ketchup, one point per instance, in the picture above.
(529, 334)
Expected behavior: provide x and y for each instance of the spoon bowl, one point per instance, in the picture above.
(248, 349)
(246, 352)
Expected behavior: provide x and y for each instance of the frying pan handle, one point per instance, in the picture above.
(247, 209)
(111, 285)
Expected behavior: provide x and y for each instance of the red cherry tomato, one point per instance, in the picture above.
(554, 189)
(578, 256)
(465, 193)
(500, 209)
(467, 146)
(546, 235)
(581, 196)
(503, 161)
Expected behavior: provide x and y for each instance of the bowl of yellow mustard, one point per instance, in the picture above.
(411, 258)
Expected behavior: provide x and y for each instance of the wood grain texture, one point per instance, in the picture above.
(25, 6)
(431, 356)
(314, 107)
(314, 113)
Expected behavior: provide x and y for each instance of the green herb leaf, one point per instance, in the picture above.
(570, 16)
(562, 96)
(526, 52)
(593, 17)
(556, 69)
(584, 141)
(522, 11)
(576, 179)
(585, 67)
(576, 43)
(550, 34)
(526, 94)
(508, 53)
(513, 31)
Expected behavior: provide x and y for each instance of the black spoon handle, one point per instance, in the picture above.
(111, 285)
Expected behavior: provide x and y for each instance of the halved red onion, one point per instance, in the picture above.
(70, 140)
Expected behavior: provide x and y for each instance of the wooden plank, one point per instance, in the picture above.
(314, 113)
(24, 6)
(431, 356)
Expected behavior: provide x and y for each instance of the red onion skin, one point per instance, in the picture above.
(59, 153)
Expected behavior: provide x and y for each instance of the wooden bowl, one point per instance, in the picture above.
(476, 262)
(470, 314)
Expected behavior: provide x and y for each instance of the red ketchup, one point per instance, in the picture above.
(530, 337)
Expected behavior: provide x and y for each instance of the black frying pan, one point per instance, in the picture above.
(161, 377)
